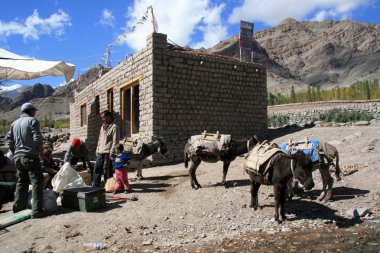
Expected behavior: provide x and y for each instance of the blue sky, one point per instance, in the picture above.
(79, 31)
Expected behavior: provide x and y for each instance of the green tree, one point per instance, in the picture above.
(308, 94)
(292, 95)
(313, 94)
(367, 90)
(318, 94)
(338, 94)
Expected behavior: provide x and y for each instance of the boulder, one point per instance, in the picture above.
(362, 123)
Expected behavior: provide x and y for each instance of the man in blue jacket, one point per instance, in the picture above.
(26, 143)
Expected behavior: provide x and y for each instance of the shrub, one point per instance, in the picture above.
(344, 116)
(277, 120)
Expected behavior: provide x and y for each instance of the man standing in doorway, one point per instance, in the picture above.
(105, 151)
(26, 143)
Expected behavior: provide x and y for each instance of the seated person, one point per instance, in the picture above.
(78, 150)
(49, 166)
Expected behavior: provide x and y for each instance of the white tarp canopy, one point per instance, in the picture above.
(13, 66)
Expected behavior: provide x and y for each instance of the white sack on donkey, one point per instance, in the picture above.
(66, 178)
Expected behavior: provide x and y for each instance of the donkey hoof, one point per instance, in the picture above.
(338, 178)
(278, 221)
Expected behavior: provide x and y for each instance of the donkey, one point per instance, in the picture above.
(148, 149)
(235, 149)
(327, 153)
(282, 168)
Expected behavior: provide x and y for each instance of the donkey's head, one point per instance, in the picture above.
(252, 141)
(162, 148)
(302, 169)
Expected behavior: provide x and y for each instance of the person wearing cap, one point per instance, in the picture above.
(76, 151)
(105, 151)
(26, 144)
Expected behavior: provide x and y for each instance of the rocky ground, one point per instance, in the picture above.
(171, 217)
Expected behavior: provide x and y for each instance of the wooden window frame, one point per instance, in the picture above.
(110, 100)
(97, 105)
(128, 85)
(83, 116)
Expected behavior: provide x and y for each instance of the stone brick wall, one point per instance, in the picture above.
(181, 94)
(138, 66)
(302, 113)
(195, 92)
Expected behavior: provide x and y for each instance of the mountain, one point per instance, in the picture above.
(325, 54)
(47, 99)
(10, 91)
(28, 93)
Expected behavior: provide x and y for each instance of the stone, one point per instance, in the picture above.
(148, 242)
(362, 123)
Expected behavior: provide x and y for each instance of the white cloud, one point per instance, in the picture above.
(107, 18)
(272, 12)
(180, 20)
(35, 26)
(213, 28)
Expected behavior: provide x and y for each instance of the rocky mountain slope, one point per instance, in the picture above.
(325, 54)
(47, 99)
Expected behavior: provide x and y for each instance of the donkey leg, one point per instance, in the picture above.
(337, 168)
(139, 170)
(194, 163)
(276, 203)
(254, 194)
(322, 171)
(226, 165)
(282, 203)
(330, 183)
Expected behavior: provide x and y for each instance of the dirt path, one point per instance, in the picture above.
(170, 216)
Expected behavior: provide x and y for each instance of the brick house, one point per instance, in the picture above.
(163, 91)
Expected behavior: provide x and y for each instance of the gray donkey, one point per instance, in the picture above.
(147, 149)
(234, 149)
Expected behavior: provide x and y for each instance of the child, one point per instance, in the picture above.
(121, 171)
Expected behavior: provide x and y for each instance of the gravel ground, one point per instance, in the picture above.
(171, 217)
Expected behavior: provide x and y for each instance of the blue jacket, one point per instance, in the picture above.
(24, 136)
(120, 160)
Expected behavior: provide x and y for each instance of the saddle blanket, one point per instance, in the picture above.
(310, 150)
(260, 155)
(198, 143)
(134, 144)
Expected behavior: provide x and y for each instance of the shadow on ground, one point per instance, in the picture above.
(164, 178)
(149, 187)
(338, 193)
(311, 210)
(231, 183)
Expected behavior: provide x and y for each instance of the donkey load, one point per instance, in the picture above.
(213, 148)
(267, 164)
(324, 156)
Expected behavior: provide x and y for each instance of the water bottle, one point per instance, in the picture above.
(93, 246)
